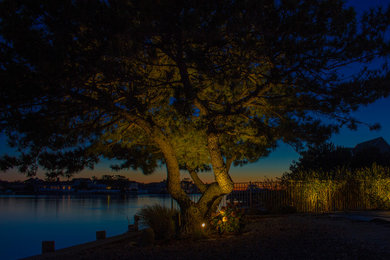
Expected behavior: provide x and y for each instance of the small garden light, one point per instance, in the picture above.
(203, 225)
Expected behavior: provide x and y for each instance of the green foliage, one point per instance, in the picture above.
(191, 147)
(227, 220)
(160, 219)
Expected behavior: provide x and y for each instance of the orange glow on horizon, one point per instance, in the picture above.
(238, 175)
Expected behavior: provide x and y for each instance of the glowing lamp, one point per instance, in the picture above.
(203, 225)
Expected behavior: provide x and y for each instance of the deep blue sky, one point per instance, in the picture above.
(279, 161)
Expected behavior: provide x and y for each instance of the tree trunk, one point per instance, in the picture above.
(193, 215)
(191, 218)
(219, 168)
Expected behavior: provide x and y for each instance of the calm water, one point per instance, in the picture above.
(25, 221)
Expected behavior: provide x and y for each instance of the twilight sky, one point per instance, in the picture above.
(279, 161)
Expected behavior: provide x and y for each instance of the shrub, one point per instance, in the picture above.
(160, 219)
(227, 220)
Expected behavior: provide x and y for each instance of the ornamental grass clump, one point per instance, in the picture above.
(227, 220)
(160, 219)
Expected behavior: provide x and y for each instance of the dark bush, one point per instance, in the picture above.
(160, 219)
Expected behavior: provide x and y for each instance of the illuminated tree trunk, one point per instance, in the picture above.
(194, 214)
(200, 212)
(219, 167)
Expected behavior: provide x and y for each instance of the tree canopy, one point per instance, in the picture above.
(194, 85)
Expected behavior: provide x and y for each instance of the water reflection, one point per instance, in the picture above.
(68, 220)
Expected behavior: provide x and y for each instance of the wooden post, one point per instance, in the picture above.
(100, 235)
(48, 246)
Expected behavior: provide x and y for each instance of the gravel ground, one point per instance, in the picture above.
(273, 237)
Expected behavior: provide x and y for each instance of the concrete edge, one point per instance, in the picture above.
(89, 245)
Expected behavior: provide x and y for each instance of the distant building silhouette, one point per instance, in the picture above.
(378, 143)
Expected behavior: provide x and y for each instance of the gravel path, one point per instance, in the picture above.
(277, 237)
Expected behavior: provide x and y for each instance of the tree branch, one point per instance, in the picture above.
(229, 162)
(198, 182)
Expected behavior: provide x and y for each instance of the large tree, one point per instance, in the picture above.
(194, 85)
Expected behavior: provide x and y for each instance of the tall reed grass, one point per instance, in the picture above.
(365, 188)
(362, 189)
